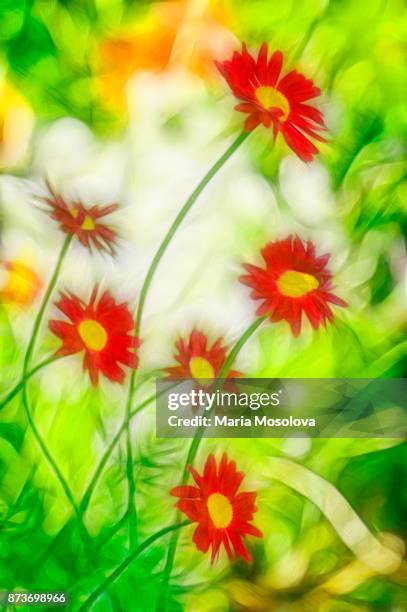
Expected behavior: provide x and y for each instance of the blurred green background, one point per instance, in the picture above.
(119, 100)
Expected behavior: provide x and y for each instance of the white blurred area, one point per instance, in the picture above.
(150, 171)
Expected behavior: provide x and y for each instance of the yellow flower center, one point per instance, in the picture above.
(200, 368)
(220, 510)
(272, 98)
(74, 211)
(93, 334)
(88, 224)
(296, 284)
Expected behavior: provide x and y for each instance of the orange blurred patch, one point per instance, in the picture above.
(19, 284)
(190, 33)
(16, 124)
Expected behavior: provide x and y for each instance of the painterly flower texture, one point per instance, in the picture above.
(101, 329)
(294, 281)
(82, 221)
(275, 100)
(223, 515)
(198, 360)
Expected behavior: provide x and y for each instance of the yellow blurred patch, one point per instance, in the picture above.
(16, 124)
(19, 284)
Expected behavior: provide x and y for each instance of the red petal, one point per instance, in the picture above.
(109, 368)
(72, 307)
(239, 546)
(251, 123)
(202, 537)
(274, 68)
(193, 509)
(262, 63)
(299, 143)
(185, 491)
(246, 107)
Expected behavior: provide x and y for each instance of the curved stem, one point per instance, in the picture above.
(17, 388)
(239, 344)
(51, 460)
(143, 295)
(128, 560)
(25, 377)
(131, 483)
(114, 442)
(193, 449)
(44, 304)
(178, 220)
(95, 479)
(84, 535)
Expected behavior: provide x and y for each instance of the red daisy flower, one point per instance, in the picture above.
(223, 515)
(76, 219)
(197, 360)
(294, 281)
(102, 330)
(272, 99)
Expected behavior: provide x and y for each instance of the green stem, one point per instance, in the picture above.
(131, 483)
(229, 361)
(17, 388)
(44, 304)
(111, 533)
(123, 427)
(84, 535)
(143, 295)
(128, 560)
(193, 449)
(222, 374)
(178, 220)
(91, 487)
(25, 377)
(50, 459)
